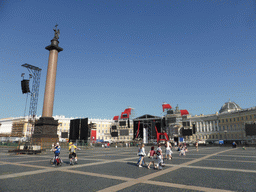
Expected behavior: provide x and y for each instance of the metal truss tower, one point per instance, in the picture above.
(36, 74)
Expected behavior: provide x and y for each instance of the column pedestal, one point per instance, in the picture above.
(45, 132)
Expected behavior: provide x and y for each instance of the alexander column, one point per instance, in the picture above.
(46, 127)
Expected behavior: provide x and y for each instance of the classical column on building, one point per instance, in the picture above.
(46, 127)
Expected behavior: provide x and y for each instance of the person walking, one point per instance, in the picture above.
(168, 151)
(152, 153)
(196, 146)
(159, 158)
(142, 154)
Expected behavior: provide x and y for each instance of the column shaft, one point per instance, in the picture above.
(50, 84)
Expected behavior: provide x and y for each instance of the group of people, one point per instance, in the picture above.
(72, 152)
(152, 154)
(182, 149)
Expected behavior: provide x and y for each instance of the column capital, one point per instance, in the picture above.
(54, 45)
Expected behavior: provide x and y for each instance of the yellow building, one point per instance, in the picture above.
(227, 125)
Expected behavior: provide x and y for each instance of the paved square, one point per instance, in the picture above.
(115, 169)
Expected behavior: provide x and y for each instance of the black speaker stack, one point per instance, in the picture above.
(79, 130)
(25, 86)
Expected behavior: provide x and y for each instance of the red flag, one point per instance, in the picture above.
(116, 118)
(166, 106)
(184, 112)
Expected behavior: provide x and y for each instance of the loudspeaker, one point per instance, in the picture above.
(79, 129)
(25, 86)
(113, 127)
(170, 112)
(171, 120)
(181, 130)
(64, 134)
(74, 130)
(250, 129)
(163, 122)
(124, 132)
(124, 115)
(84, 129)
(122, 123)
(187, 132)
(114, 134)
(194, 129)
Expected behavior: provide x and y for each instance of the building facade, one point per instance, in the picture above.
(17, 128)
(227, 125)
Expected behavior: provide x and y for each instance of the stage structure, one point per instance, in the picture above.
(36, 74)
(151, 128)
(146, 128)
(122, 124)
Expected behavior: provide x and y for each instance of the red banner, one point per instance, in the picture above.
(124, 115)
(128, 111)
(93, 134)
(138, 130)
(116, 118)
(166, 106)
(184, 112)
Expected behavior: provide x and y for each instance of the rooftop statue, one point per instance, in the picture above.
(57, 32)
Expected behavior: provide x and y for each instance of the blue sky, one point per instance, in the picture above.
(196, 54)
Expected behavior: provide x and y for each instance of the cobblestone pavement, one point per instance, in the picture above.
(115, 169)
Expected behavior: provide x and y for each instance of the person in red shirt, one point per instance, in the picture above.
(152, 153)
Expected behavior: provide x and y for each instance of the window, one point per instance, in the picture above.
(246, 117)
(234, 119)
(220, 136)
(99, 131)
(102, 131)
(230, 120)
(219, 121)
(64, 124)
(213, 136)
(242, 118)
(254, 116)
(226, 120)
(222, 120)
(250, 117)
(231, 127)
(237, 118)
(99, 125)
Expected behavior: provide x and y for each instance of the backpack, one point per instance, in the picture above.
(72, 149)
